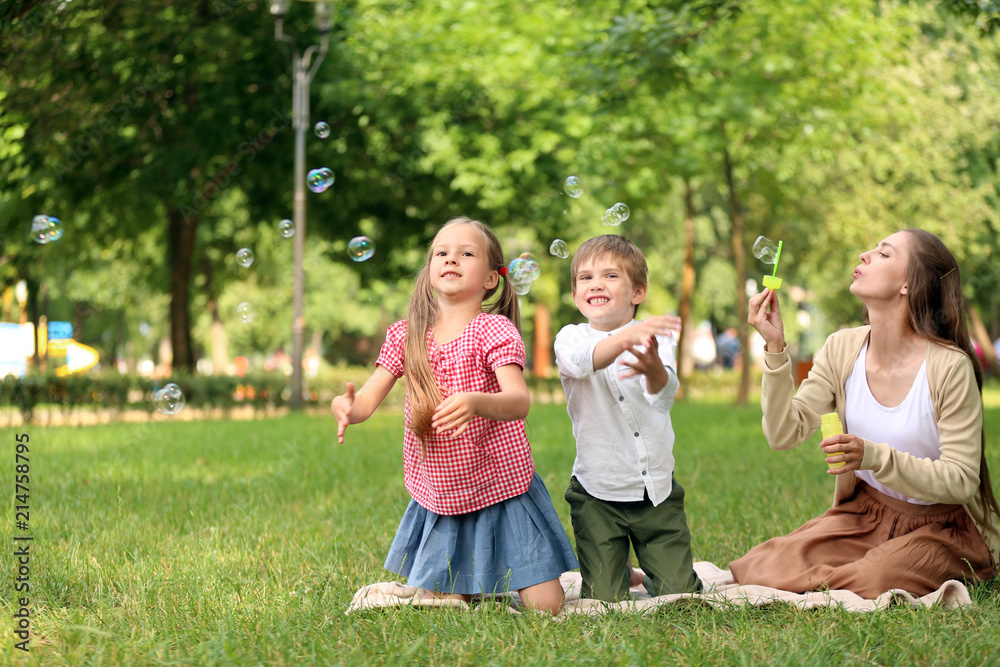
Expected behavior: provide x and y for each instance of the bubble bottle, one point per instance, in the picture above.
(830, 426)
(765, 251)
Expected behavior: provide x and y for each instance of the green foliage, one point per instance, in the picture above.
(984, 15)
(841, 126)
(113, 396)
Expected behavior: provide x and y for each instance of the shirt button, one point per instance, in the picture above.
(621, 398)
(636, 434)
(643, 472)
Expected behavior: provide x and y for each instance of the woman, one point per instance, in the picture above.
(913, 505)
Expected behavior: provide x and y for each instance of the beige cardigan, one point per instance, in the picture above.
(791, 418)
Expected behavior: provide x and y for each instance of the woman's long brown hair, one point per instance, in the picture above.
(936, 309)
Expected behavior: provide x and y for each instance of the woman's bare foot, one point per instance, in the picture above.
(635, 577)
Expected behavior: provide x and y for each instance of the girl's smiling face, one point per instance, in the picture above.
(459, 268)
(605, 294)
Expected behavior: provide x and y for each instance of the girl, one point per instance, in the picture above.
(913, 505)
(481, 520)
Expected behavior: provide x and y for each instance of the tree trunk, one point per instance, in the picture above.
(982, 336)
(542, 341)
(34, 316)
(739, 263)
(120, 340)
(220, 349)
(994, 328)
(685, 360)
(181, 233)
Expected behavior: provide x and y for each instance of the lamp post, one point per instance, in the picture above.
(303, 69)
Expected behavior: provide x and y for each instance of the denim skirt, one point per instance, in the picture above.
(516, 543)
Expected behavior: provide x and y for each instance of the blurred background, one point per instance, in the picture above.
(144, 145)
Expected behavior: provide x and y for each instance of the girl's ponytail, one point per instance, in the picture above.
(506, 303)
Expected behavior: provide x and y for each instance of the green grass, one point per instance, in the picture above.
(241, 543)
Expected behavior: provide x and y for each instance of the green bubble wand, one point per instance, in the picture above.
(764, 250)
(772, 280)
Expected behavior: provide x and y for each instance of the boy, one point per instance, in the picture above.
(620, 379)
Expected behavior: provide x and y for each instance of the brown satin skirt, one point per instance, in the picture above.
(871, 544)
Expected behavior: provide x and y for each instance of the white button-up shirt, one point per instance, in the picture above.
(624, 436)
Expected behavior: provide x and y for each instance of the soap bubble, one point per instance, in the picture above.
(244, 257)
(245, 312)
(45, 229)
(169, 400)
(521, 287)
(522, 272)
(573, 187)
(320, 179)
(55, 229)
(616, 215)
(530, 266)
(622, 211)
(516, 270)
(360, 248)
(765, 250)
(322, 130)
(559, 248)
(287, 228)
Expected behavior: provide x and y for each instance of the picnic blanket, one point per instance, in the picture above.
(720, 591)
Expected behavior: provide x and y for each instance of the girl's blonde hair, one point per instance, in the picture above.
(421, 314)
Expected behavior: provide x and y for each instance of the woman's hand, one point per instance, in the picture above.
(843, 448)
(765, 316)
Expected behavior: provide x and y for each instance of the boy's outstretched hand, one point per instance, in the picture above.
(649, 328)
(341, 407)
(648, 363)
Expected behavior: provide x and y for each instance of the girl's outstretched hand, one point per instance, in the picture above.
(341, 406)
(455, 412)
(765, 316)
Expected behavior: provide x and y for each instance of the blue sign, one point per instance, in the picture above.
(60, 330)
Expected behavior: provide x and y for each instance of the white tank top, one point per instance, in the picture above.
(909, 427)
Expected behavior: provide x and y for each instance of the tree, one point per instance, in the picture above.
(137, 122)
(777, 137)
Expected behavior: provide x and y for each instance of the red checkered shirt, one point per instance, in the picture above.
(491, 461)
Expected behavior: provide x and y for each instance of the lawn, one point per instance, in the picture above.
(241, 543)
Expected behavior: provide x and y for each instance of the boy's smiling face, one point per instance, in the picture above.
(605, 294)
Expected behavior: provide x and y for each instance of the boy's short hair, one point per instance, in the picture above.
(632, 261)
